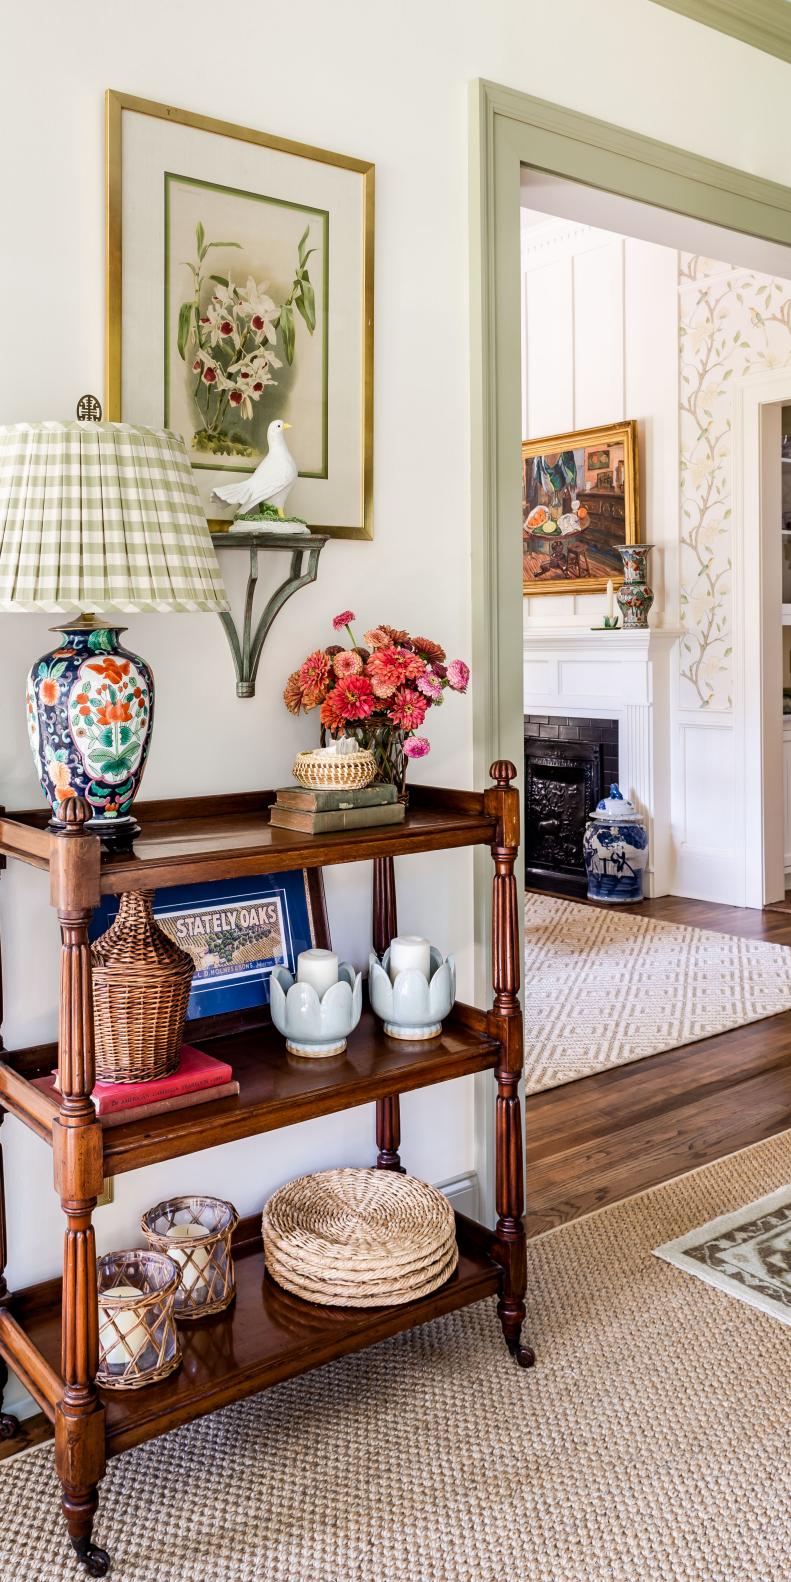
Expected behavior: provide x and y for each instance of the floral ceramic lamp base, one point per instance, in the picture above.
(90, 706)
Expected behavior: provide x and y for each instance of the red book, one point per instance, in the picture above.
(197, 1078)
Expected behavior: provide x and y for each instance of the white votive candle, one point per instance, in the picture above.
(409, 951)
(610, 599)
(122, 1321)
(318, 968)
(192, 1261)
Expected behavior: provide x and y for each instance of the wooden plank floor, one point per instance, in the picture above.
(618, 1132)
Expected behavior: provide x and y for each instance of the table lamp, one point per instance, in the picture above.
(107, 517)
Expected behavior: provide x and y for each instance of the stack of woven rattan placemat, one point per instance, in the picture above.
(359, 1238)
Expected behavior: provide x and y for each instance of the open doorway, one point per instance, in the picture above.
(629, 323)
(723, 745)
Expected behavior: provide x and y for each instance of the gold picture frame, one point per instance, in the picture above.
(344, 393)
(574, 514)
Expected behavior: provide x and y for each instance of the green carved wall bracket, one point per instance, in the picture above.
(247, 646)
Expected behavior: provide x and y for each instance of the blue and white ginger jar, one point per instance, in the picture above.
(615, 848)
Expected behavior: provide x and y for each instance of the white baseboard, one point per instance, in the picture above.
(462, 1192)
(16, 1399)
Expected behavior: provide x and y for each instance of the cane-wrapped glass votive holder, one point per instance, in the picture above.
(138, 1343)
(196, 1232)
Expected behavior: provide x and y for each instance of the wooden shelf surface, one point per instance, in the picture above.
(266, 1335)
(203, 838)
(276, 1089)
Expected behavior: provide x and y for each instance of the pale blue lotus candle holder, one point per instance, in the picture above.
(316, 1025)
(414, 1006)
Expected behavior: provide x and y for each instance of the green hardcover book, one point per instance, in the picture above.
(324, 823)
(304, 801)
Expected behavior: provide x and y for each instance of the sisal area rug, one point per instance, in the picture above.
(747, 1254)
(648, 1444)
(603, 988)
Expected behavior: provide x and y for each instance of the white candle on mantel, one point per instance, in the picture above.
(199, 1257)
(610, 599)
(125, 1321)
(409, 951)
(319, 968)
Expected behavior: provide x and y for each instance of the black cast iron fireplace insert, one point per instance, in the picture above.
(569, 765)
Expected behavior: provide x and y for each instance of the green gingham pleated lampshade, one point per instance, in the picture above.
(102, 516)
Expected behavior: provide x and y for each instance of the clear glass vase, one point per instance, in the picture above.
(386, 742)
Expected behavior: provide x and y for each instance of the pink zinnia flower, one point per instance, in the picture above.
(408, 709)
(353, 697)
(390, 667)
(377, 637)
(344, 619)
(430, 685)
(347, 663)
(314, 673)
(458, 675)
(417, 747)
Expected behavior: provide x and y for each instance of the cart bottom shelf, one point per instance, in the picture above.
(265, 1336)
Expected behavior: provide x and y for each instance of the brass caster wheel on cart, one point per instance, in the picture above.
(95, 1560)
(9, 1426)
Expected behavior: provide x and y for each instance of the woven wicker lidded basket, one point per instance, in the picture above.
(141, 987)
(359, 1238)
(340, 772)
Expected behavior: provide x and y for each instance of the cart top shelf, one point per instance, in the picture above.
(203, 838)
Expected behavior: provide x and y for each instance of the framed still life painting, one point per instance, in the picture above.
(580, 501)
(239, 291)
(236, 931)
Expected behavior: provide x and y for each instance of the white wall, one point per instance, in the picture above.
(390, 85)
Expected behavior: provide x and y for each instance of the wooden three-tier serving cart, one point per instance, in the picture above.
(48, 1332)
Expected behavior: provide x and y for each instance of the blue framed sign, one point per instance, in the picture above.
(236, 931)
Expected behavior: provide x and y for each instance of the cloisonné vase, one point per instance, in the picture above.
(90, 707)
(634, 597)
(615, 848)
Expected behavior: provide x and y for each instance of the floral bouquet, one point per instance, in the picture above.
(378, 693)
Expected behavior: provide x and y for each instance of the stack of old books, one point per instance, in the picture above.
(319, 812)
(198, 1079)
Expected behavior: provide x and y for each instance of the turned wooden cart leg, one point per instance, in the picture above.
(78, 1160)
(384, 927)
(388, 1133)
(9, 1426)
(506, 1020)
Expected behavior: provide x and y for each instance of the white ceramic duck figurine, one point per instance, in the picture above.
(272, 480)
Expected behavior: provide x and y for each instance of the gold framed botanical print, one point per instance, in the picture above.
(240, 291)
(580, 500)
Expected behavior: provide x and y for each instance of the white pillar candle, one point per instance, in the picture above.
(409, 950)
(610, 599)
(122, 1321)
(192, 1261)
(319, 968)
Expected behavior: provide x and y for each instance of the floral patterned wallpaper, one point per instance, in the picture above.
(732, 322)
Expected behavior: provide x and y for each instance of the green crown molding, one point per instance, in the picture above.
(765, 24)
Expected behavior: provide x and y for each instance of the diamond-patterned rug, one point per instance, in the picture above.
(747, 1254)
(603, 988)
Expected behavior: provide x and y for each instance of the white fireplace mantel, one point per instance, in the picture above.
(620, 675)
